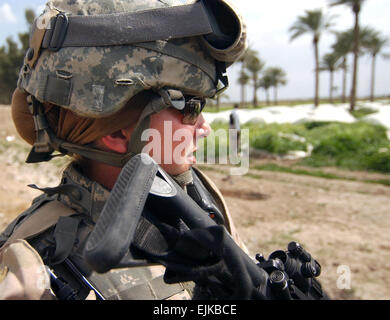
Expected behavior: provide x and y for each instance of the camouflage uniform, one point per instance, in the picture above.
(94, 75)
(144, 282)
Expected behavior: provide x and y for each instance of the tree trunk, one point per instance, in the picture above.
(331, 87)
(276, 95)
(355, 60)
(242, 85)
(267, 96)
(244, 100)
(344, 67)
(242, 95)
(254, 92)
(317, 73)
(373, 77)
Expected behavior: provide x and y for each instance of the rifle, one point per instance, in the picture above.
(62, 290)
(182, 237)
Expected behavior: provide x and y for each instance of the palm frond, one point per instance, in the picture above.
(312, 22)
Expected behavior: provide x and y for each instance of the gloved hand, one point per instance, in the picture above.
(212, 265)
(203, 256)
(22, 273)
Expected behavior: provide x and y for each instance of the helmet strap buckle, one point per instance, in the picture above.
(38, 35)
(42, 149)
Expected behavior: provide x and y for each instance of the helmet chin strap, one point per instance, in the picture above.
(47, 142)
(136, 144)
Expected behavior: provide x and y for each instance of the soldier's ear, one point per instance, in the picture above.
(117, 141)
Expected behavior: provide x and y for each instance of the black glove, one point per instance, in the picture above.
(202, 256)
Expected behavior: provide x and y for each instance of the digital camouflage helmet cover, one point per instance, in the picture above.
(93, 56)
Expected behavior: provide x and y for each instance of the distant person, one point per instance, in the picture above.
(234, 125)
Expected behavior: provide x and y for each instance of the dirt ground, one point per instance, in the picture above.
(15, 175)
(344, 224)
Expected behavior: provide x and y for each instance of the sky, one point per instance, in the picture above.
(268, 22)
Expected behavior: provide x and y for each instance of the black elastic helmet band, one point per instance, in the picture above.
(204, 17)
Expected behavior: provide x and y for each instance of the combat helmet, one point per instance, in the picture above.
(91, 57)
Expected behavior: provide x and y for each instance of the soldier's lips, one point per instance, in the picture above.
(191, 157)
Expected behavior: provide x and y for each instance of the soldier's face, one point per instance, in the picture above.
(172, 143)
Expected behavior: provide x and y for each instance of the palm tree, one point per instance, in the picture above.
(277, 77)
(266, 82)
(373, 42)
(356, 6)
(315, 23)
(243, 81)
(330, 62)
(342, 47)
(254, 65)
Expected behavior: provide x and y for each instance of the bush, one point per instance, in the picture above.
(314, 124)
(356, 146)
(337, 139)
(362, 112)
(276, 138)
(378, 161)
(273, 143)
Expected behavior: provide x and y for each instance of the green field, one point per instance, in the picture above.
(356, 146)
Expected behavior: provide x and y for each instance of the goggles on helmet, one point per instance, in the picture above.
(189, 106)
(192, 110)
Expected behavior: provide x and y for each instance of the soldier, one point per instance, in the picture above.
(235, 129)
(97, 75)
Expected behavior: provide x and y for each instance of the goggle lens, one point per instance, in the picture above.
(193, 108)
